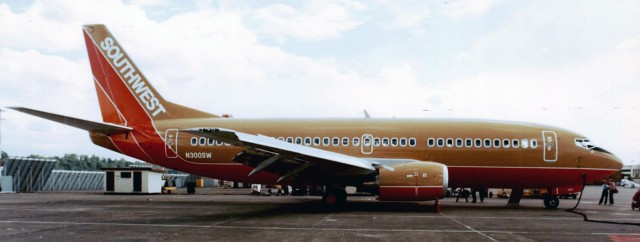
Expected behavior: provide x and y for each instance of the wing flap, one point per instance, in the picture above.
(91, 126)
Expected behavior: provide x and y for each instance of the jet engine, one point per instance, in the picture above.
(413, 181)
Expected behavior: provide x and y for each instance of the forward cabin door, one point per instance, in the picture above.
(550, 146)
(171, 139)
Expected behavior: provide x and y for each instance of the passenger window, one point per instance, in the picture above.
(281, 138)
(458, 142)
(478, 143)
(412, 142)
(431, 142)
(298, 140)
(506, 143)
(376, 141)
(219, 143)
(534, 144)
(366, 141)
(394, 141)
(307, 141)
(468, 143)
(496, 143)
(345, 141)
(316, 141)
(203, 141)
(356, 141)
(440, 142)
(211, 142)
(290, 140)
(525, 143)
(515, 143)
(385, 141)
(335, 141)
(325, 141)
(449, 142)
(403, 142)
(194, 141)
(487, 143)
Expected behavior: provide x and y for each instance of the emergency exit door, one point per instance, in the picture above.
(366, 146)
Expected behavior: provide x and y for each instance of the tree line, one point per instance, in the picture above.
(75, 162)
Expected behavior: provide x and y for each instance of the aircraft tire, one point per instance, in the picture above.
(551, 202)
(334, 198)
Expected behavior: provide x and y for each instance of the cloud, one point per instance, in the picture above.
(597, 93)
(472, 7)
(527, 40)
(316, 20)
(406, 14)
(54, 25)
(45, 82)
(150, 3)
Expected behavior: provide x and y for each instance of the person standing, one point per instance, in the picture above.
(480, 191)
(473, 195)
(612, 190)
(636, 200)
(605, 193)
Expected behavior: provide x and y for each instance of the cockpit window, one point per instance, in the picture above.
(585, 143)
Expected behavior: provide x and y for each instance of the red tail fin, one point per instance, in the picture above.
(124, 94)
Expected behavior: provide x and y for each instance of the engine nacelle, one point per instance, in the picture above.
(415, 181)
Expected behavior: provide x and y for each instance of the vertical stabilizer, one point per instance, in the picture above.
(124, 94)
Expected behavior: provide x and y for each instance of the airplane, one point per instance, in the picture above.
(395, 159)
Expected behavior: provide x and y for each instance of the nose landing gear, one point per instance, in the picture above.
(551, 201)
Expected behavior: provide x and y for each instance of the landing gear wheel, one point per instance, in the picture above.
(333, 198)
(551, 202)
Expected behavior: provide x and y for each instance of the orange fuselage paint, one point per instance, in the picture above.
(468, 166)
(551, 157)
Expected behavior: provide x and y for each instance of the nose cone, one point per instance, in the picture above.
(606, 159)
(614, 162)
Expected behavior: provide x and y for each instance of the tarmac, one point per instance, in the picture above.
(234, 215)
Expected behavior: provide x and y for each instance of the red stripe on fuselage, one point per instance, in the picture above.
(521, 177)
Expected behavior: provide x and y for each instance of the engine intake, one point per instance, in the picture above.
(414, 181)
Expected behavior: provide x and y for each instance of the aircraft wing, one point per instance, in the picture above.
(91, 126)
(285, 159)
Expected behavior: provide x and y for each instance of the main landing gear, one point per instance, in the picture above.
(551, 201)
(334, 197)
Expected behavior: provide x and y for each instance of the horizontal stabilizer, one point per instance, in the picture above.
(91, 126)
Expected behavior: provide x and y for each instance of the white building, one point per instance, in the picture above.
(631, 172)
(139, 180)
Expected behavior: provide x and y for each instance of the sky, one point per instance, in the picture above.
(569, 64)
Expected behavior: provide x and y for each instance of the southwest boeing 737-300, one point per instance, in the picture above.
(396, 159)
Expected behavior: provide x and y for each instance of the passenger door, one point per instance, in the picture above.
(550, 146)
(171, 139)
